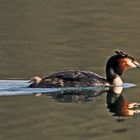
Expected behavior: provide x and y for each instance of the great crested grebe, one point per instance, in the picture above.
(115, 67)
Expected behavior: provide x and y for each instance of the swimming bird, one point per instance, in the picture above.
(115, 67)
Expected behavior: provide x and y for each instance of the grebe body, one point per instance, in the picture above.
(71, 78)
(115, 67)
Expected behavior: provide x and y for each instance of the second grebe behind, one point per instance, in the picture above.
(115, 67)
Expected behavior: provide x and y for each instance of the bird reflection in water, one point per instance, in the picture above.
(78, 96)
(118, 105)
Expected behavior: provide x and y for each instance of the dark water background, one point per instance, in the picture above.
(41, 37)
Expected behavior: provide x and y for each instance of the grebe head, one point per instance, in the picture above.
(117, 64)
(35, 79)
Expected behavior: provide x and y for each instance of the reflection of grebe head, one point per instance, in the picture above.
(118, 63)
(35, 79)
(124, 109)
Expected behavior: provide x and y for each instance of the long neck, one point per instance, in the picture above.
(113, 78)
(113, 72)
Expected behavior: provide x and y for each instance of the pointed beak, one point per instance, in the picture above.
(137, 64)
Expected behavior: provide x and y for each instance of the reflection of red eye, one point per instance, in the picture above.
(124, 106)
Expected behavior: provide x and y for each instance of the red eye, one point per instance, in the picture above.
(124, 63)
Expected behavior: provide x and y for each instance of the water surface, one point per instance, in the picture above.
(41, 37)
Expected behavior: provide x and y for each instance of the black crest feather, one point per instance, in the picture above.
(121, 53)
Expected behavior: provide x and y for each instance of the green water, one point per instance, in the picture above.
(42, 37)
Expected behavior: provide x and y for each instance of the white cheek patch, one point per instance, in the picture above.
(117, 81)
(131, 64)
